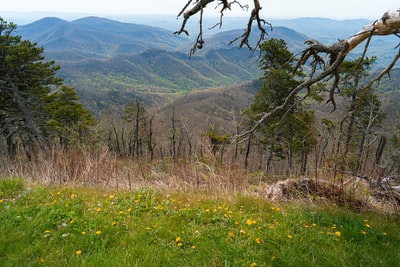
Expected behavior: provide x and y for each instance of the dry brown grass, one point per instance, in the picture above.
(105, 170)
(102, 169)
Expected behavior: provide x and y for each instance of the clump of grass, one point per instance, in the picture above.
(10, 187)
(87, 227)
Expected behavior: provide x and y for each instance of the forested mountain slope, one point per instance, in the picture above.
(96, 38)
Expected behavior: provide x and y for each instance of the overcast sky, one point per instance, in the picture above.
(336, 9)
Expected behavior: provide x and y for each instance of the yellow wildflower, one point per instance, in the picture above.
(114, 223)
(41, 260)
(83, 233)
(111, 196)
(258, 240)
(47, 231)
(177, 239)
(249, 222)
(98, 232)
(338, 234)
(253, 264)
(363, 232)
(230, 234)
(367, 225)
(243, 232)
(179, 244)
(290, 236)
(98, 209)
(78, 252)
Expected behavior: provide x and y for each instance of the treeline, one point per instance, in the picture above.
(39, 113)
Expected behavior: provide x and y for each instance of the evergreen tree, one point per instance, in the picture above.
(29, 113)
(289, 131)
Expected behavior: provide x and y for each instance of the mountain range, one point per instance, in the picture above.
(111, 62)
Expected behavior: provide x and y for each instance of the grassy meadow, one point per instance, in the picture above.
(79, 226)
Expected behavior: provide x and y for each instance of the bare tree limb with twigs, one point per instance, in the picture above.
(324, 60)
(194, 7)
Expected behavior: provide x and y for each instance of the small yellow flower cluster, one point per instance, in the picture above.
(178, 241)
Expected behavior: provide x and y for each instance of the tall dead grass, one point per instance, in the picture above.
(103, 169)
(106, 170)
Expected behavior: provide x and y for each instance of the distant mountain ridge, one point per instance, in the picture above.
(111, 62)
(94, 37)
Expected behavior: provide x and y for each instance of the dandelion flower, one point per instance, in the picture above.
(179, 244)
(367, 225)
(111, 196)
(338, 234)
(314, 224)
(114, 223)
(253, 264)
(58, 193)
(47, 231)
(130, 210)
(363, 232)
(177, 239)
(290, 236)
(73, 196)
(98, 232)
(273, 258)
(78, 252)
(243, 232)
(98, 209)
(249, 222)
(83, 233)
(41, 260)
(384, 233)
(230, 234)
(258, 240)
(193, 247)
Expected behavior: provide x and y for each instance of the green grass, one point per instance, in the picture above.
(48, 226)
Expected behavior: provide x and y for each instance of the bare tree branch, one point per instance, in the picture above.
(389, 24)
(193, 7)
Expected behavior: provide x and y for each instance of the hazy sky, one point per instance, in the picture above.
(337, 9)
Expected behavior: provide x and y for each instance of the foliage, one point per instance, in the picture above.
(83, 227)
(30, 112)
(290, 130)
(365, 110)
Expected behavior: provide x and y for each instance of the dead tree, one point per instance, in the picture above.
(324, 60)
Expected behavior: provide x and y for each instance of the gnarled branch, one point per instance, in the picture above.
(387, 25)
(194, 7)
